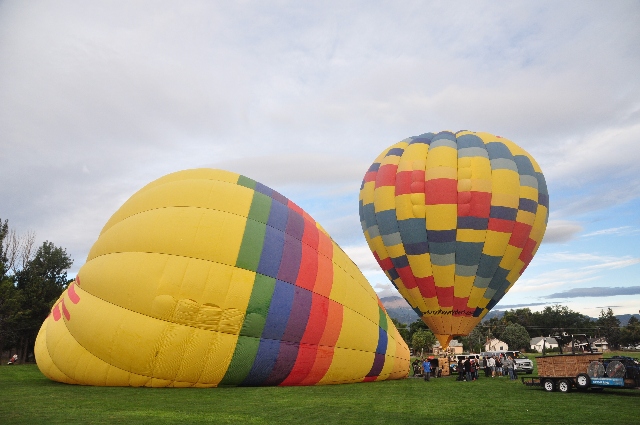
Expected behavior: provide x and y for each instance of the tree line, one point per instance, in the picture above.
(516, 327)
(31, 281)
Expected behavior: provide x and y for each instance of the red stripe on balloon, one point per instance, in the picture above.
(459, 305)
(441, 191)
(370, 378)
(445, 296)
(427, 286)
(294, 207)
(407, 277)
(403, 183)
(520, 234)
(324, 355)
(480, 204)
(370, 176)
(317, 320)
(324, 277)
(386, 175)
(527, 252)
(304, 364)
(308, 268)
(321, 364)
(385, 264)
(500, 225)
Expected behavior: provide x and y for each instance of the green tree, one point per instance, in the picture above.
(423, 340)
(474, 342)
(40, 283)
(558, 318)
(403, 330)
(415, 327)
(610, 327)
(516, 336)
(630, 334)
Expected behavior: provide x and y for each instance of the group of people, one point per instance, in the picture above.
(501, 365)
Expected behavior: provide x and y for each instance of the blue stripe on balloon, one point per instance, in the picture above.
(395, 152)
(503, 213)
(441, 236)
(263, 363)
(528, 205)
(416, 248)
(476, 223)
(265, 190)
(279, 310)
(271, 252)
(278, 216)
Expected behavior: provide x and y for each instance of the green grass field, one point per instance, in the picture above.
(28, 397)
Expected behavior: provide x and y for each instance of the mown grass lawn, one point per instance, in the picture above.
(26, 396)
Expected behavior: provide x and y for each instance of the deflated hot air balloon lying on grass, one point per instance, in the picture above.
(206, 278)
(453, 220)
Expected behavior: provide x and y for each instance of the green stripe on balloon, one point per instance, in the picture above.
(252, 327)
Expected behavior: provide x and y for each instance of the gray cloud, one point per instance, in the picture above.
(561, 231)
(511, 306)
(596, 292)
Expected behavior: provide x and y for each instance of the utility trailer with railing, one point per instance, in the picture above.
(584, 371)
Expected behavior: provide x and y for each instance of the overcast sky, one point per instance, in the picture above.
(99, 98)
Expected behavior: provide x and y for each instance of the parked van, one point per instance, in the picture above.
(523, 364)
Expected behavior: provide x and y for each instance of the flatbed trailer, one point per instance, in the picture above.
(585, 371)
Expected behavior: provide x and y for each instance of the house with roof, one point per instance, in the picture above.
(540, 342)
(495, 344)
(600, 344)
(454, 348)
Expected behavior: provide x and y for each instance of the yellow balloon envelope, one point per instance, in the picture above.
(206, 278)
(453, 219)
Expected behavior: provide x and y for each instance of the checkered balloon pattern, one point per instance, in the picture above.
(454, 219)
(207, 278)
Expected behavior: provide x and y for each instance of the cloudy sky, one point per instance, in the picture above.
(99, 98)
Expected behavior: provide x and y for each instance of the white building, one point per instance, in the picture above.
(495, 345)
(539, 342)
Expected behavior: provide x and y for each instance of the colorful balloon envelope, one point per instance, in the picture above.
(454, 219)
(206, 278)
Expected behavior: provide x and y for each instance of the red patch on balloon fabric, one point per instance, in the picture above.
(73, 296)
(56, 312)
(386, 175)
(65, 311)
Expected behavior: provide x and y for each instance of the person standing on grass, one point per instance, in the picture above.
(426, 369)
(499, 366)
(512, 370)
(492, 365)
(460, 369)
(507, 365)
(467, 369)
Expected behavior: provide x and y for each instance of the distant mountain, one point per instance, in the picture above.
(492, 314)
(624, 318)
(398, 308)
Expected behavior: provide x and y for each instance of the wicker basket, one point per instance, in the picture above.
(567, 365)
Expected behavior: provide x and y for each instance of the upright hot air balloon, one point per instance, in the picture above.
(454, 219)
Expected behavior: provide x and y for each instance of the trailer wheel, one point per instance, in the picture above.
(583, 381)
(564, 386)
(548, 385)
